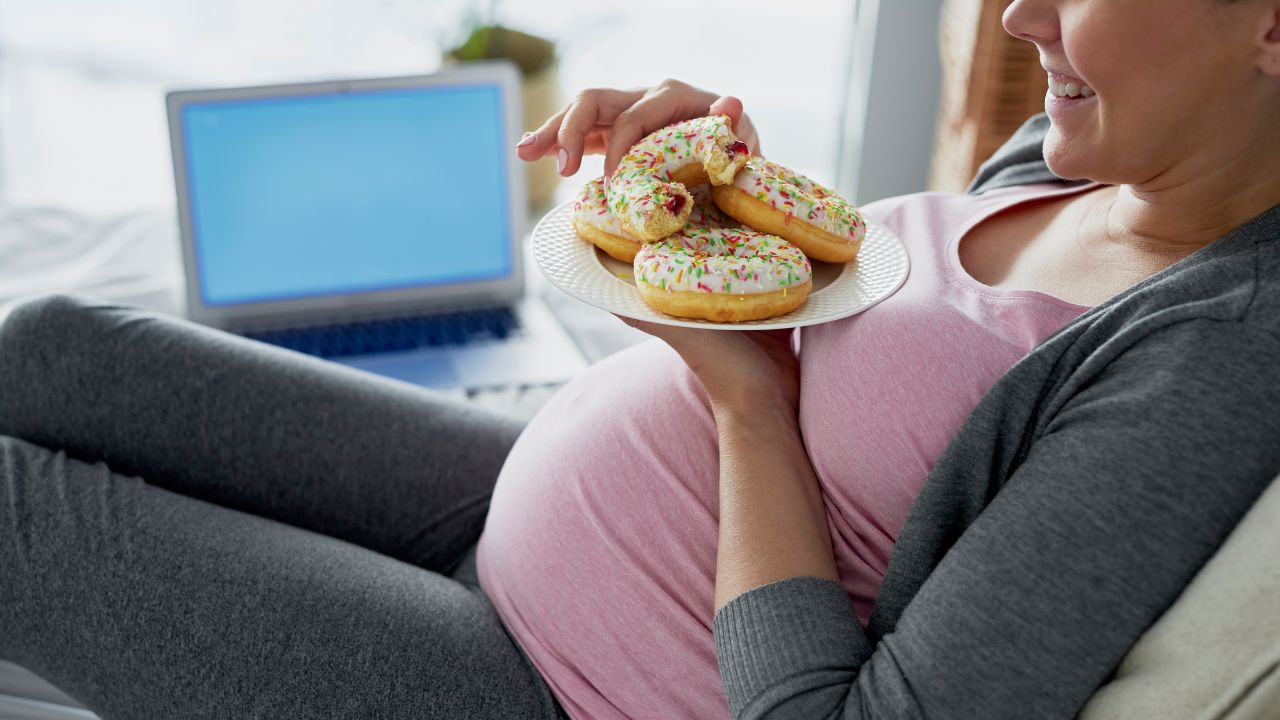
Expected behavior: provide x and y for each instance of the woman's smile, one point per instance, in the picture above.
(1067, 95)
(1067, 86)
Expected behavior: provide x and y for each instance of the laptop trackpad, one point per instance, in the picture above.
(428, 369)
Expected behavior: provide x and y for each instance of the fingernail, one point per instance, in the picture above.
(527, 139)
(562, 160)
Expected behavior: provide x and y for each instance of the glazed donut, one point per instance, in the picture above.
(723, 275)
(770, 198)
(594, 223)
(647, 192)
(705, 213)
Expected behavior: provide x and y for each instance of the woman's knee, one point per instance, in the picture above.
(40, 341)
(42, 319)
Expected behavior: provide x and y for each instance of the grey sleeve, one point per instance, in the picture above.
(1136, 480)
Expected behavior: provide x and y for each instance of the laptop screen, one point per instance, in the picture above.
(368, 190)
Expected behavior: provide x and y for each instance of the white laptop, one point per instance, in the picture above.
(376, 223)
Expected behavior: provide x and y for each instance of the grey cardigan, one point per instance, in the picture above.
(1075, 504)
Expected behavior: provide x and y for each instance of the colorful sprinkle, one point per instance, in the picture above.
(641, 185)
(799, 196)
(724, 260)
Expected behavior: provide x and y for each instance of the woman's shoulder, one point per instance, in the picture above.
(1264, 234)
(1211, 317)
(1235, 280)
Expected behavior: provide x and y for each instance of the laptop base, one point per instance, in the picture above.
(541, 354)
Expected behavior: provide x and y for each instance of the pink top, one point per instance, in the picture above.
(600, 545)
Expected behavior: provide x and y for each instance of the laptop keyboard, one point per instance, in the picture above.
(394, 334)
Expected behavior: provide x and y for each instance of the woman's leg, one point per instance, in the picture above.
(393, 468)
(143, 603)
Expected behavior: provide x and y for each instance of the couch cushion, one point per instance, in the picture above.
(1215, 655)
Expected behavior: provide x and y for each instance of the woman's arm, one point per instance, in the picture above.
(1135, 483)
(773, 524)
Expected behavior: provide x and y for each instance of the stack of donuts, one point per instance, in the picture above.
(712, 232)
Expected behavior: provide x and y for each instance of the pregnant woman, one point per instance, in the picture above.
(969, 501)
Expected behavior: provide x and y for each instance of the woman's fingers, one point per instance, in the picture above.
(727, 105)
(536, 144)
(588, 123)
(597, 141)
(611, 121)
(632, 125)
(669, 102)
(583, 116)
(578, 128)
(681, 339)
(673, 101)
(742, 127)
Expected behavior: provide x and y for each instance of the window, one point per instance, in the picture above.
(82, 121)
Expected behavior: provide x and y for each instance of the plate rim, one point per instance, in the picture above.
(848, 268)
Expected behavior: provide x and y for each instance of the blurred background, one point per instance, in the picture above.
(87, 196)
(82, 124)
(878, 98)
(850, 92)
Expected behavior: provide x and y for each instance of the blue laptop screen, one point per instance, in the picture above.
(340, 193)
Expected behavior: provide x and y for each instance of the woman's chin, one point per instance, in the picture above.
(1070, 160)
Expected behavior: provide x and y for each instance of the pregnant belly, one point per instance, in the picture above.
(599, 548)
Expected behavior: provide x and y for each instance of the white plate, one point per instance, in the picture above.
(581, 269)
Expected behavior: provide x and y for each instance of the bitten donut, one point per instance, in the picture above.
(594, 223)
(723, 275)
(647, 192)
(770, 198)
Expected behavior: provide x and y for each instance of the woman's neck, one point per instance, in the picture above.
(1175, 218)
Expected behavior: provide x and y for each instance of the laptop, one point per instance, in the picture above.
(375, 223)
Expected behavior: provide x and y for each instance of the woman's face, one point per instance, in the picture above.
(1171, 87)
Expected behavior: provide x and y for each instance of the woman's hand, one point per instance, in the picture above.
(743, 371)
(611, 121)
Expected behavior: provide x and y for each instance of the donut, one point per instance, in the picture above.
(705, 213)
(723, 275)
(647, 192)
(594, 223)
(770, 198)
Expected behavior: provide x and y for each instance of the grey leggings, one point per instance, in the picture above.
(193, 525)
